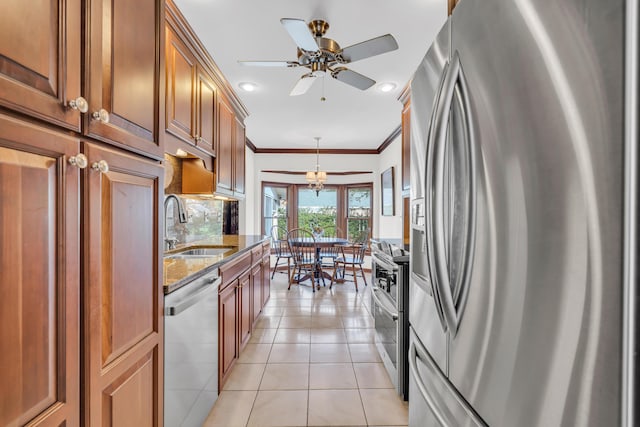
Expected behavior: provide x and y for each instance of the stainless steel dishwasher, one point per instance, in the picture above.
(191, 351)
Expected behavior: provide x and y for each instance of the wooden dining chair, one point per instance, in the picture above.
(329, 254)
(281, 248)
(352, 256)
(305, 255)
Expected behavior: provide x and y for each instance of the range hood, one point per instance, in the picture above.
(188, 175)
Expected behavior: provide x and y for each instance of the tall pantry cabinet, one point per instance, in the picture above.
(80, 201)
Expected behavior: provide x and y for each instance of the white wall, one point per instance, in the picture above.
(306, 162)
(383, 226)
(247, 206)
(390, 227)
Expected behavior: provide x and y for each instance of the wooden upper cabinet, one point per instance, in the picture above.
(238, 157)
(224, 148)
(206, 112)
(230, 151)
(40, 68)
(39, 308)
(123, 300)
(406, 146)
(180, 96)
(191, 96)
(123, 73)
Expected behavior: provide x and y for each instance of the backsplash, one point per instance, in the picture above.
(204, 219)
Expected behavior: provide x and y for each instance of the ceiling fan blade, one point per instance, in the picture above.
(303, 85)
(352, 78)
(269, 63)
(300, 33)
(366, 49)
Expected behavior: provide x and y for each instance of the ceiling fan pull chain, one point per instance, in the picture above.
(322, 98)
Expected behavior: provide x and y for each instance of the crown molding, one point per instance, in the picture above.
(250, 145)
(313, 151)
(392, 136)
(405, 95)
(288, 172)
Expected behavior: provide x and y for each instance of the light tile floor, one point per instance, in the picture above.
(311, 361)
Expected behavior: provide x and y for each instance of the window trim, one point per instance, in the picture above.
(292, 201)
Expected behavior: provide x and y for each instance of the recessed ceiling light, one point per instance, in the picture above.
(248, 86)
(386, 87)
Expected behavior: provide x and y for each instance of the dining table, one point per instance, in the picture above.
(319, 242)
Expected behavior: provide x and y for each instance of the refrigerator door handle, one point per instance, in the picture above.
(428, 186)
(414, 353)
(452, 305)
(434, 191)
(462, 291)
(417, 351)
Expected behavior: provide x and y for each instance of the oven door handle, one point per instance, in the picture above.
(383, 263)
(382, 305)
(192, 298)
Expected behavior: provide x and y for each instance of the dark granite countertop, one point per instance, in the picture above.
(180, 271)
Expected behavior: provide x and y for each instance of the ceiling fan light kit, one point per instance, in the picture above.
(318, 53)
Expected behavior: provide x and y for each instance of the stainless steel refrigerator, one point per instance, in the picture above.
(523, 216)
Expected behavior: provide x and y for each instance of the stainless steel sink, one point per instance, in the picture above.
(200, 252)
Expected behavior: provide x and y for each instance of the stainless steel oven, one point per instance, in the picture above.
(390, 309)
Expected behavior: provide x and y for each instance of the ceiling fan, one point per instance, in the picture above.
(318, 53)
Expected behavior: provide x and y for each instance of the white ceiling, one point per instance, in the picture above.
(234, 30)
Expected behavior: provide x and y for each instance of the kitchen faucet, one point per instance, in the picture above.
(182, 218)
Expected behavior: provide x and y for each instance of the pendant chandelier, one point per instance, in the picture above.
(317, 178)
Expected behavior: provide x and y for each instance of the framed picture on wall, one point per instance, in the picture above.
(387, 180)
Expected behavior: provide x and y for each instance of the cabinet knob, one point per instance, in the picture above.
(79, 104)
(102, 166)
(79, 161)
(198, 139)
(101, 115)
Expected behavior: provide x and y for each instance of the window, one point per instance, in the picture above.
(358, 210)
(274, 207)
(317, 211)
(349, 207)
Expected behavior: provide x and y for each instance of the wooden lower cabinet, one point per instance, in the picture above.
(240, 301)
(123, 302)
(244, 286)
(227, 330)
(266, 277)
(256, 291)
(39, 253)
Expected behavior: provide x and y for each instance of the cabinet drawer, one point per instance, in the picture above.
(256, 255)
(234, 268)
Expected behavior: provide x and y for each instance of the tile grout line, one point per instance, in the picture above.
(260, 383)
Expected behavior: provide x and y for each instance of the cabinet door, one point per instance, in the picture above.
(123, 299)
(266, 278)
(256, 291)
(206, 112)
(245, 308)
(123, 72)
(406, 146)
(224, 149)
(238, 157)
(39, 253)
(181, 90)
(40, 58)
(227, 330)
